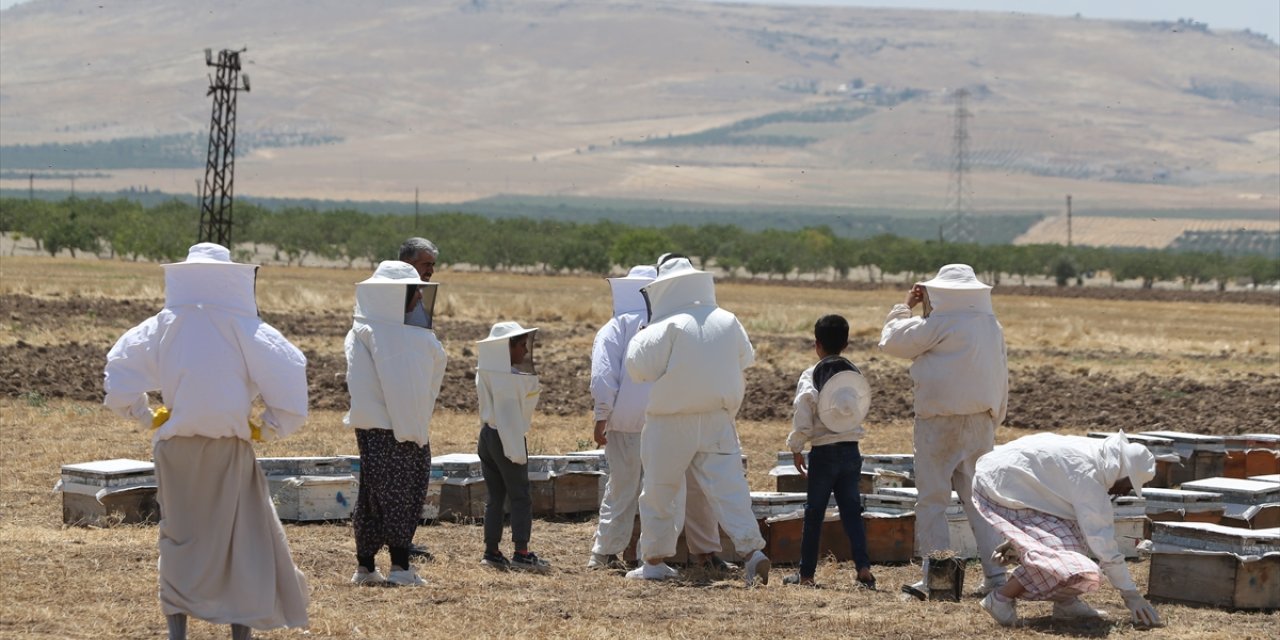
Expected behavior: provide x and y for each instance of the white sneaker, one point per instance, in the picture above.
(646, 571)
(405, 578)
(991, 583)
(1005, 612)
(364, 577)
(1076, 609)
(756, 569)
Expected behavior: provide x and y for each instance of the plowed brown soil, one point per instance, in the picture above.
(1041, 397)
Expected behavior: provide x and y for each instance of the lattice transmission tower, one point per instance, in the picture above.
(219, 172)
(957, 225)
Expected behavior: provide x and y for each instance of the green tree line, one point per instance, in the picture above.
(124, 229)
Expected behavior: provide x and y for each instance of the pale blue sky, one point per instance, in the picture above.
(1262, 16)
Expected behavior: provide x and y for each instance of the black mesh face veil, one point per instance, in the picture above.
(828, 367)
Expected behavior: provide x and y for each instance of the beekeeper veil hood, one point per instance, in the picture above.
(1124, 459)
(626, 290)
(957, 288)
(678, 286)
(209, 277)
(383, 296)
(508, 392)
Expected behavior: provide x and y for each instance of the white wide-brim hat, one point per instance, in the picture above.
(506, 331)
(844, 401)
(957, 277)
(395, 272)
(209, 253)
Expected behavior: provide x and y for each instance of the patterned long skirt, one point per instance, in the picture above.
(1052, 551)
(393, 486)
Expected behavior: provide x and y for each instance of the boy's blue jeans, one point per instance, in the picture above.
(833, 468)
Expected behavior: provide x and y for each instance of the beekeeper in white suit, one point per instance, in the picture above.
(694, 353)
(508, 390)
(224, 557)
(394, 372)
(619, 417)
(1049, 496)
(961, 378)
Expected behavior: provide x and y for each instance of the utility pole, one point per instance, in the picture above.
(1068, 221)
(415, 209)
(219, 173)
(31, 187)
(959, 221)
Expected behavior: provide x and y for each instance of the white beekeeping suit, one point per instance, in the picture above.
(224, 556)
(209, 355)
(1069, 477)
(961, 378)
(508, 391)
(694, 353)
(395, 369)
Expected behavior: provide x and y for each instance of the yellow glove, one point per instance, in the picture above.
(159, 417)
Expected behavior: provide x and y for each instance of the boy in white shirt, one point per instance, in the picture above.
(832, 399)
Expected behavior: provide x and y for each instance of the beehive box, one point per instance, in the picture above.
(431, 503)
(1247, 503)
(902, 500)
(1180, 505)
(1245, 463)
(576, 492)
(109, 491)
(309, 465)
(596, 456)
(727, 551)
(1229, 567)
(1246, 441)
(890, 537)
(1201, 456)
(462, 498)
(766, 504)
(902, 464)
(307, 498)
(457, 466)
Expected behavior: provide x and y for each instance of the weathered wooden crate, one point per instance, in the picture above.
(1227, 567)
(890, 537)
(600, 462)
(1180, 505)
(1246, 441)
(901, 464)
(766, 504)
(431, 503)
(108, 492)
(1202, 456)
(727, 551)
(309, 465)
(1242, 463)
(1246, 502)
(313, 498)
(576, 492)
(456, 465)
(902, 500)
(462, 498)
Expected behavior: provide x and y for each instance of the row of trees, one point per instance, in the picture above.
(126, 230)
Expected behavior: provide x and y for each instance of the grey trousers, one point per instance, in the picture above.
(506, 482)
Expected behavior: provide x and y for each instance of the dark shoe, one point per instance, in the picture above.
(795, 579)
(716, 564)
(420, 552)
(529, 561)
(496, 560)
(869, 584)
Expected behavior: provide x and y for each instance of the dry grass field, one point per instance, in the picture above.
(71, 582)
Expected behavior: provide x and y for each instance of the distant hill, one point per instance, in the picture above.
(682, 101)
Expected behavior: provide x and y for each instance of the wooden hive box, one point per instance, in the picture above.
(1180, 505)
(766, 504)
(456, 465)
(1228, 567)
(312, 488)
(542, 470)
(1202, 456)
(576, 492)
(1247, 503)
(463, 499)
(963, 542)
(727, 551)
(109, 491)
(431, 503)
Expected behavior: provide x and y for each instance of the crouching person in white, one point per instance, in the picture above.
(694, 353)
(1050, 497)
(224, 557)
(394, 372)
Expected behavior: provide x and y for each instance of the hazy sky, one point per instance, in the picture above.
(1262, 16)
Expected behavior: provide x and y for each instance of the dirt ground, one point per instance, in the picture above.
(1040, 396)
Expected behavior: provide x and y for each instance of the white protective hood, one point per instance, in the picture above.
(1069, 477)
(394, 369)
(627, 297)
(209, 355)
(693, 351)
(508, 392)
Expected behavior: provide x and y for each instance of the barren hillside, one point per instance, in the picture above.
(796, 105)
